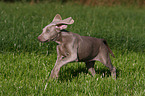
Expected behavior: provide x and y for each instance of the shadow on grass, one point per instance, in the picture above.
(70, 73)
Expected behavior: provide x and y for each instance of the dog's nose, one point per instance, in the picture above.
(39, 38)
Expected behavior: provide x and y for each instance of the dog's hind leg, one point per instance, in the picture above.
(90, 67)
(105, 59)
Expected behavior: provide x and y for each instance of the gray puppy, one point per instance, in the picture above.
(73, 47)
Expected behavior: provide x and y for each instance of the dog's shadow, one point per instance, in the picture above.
(68, 74)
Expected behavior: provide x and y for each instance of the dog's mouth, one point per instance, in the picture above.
(53, 38)
(48, 40)
(45, 41)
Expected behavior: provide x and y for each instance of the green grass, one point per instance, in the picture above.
(25, 64)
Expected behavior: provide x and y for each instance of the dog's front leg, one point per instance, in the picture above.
(72, 56)
(59, 64)
(59, 57)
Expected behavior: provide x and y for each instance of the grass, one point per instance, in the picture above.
(25, 64)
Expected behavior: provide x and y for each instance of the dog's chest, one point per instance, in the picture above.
(63, 51)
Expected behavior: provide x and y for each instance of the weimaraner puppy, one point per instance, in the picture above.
(73, 47)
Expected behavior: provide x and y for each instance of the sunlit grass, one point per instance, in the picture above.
(26, 73)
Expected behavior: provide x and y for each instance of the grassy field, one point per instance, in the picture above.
(25, 64)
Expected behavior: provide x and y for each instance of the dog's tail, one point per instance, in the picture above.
(110, 51)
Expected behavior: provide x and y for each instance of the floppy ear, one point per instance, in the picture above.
(67, 21)
(57, 18)
(61, 26)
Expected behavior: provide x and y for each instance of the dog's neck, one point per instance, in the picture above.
(59, 36)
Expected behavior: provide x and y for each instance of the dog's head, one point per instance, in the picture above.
(51, 31)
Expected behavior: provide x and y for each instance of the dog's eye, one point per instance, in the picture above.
(47, 30)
